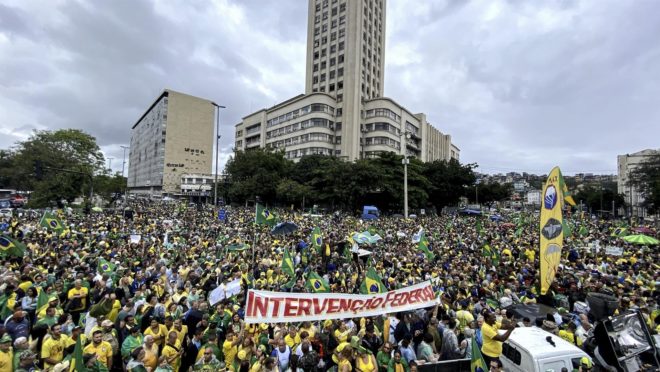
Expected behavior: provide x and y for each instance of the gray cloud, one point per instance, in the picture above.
(519, 85)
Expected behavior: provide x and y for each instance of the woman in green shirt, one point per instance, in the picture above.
(384, 356)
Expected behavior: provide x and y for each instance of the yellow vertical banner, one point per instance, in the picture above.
(551, 232)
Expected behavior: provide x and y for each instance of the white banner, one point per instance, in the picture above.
(135, 238)
(217, 295)
(614, 251)
(278, 307)
(233, 288)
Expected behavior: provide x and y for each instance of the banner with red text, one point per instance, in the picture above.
(278, 307)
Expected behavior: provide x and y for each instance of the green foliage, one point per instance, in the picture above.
(595, 198)
(67, 149)
(491, 192)
(646, 179)
(331, 182)
(109, 187)
(256, 173)
(449, 181)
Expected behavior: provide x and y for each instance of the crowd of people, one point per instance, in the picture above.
(132, 294)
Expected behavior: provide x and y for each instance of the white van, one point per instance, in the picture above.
(528, 349)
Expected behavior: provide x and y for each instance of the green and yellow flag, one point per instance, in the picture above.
(77, 364)
(287, 263)
(11, 247)
(566, 195)
(424, 246)
(51, 222)
(264, 217)
(316, 283)
(317, 239)
(477, 364)
(551, 229)
(105, 267)
(42, 301)
(372, 283)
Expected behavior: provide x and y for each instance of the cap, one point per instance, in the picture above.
(27, 354)
(5, 338)
(263, 326)
(585, 361)
(107, 323)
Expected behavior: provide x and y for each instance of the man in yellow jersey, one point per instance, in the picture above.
(77, 300)
(6, 354)
(173, 351)
(52, 350)
(101, 348)
(492, 341)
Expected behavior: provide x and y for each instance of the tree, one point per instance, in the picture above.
(646, 179)
(109, 187)
(449, 181)
(490, 192)
(69, 158)
(292, 192)
(256, 172)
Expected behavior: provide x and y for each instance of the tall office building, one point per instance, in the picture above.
(343, 111)
(172, 138)
(632, 196)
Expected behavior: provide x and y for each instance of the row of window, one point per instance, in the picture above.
(312, 137)
(340, 71)
(316, 107)
(310, 151)
(317, 122)
(383, 141)
(383, 113)
(387, 127)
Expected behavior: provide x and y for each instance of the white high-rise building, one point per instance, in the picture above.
(625, 165)
(343, 111)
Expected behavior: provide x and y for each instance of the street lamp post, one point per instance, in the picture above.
(123, 164)
(405, 163)
(217, 150)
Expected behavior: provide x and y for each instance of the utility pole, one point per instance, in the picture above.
(123, 164)
(217, 150)
(110, 164)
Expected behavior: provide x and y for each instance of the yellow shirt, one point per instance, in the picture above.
(570, 337)
(103, 351)
(25, 285)
(159, 336)
(180, 335)
(311, 331)
(7, 361)
(229, 351)
(490, 347)
(170, 352)
(292, 341)
(54, 349)
(112, 315)
(83, 296)
(151, 356)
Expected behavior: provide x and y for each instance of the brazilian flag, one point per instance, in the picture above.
(11, 247)
(316, 283)
(568, 198)
(77, 364)
(287, 263)
(424, 247)
(264, 217)
(51, 222)
(372, 283)
(480, 228)
(105, 266)
(477, 364)
(42, 301)
(486, 251)
(317, 239)
(583, 231)
(566, 228)
(620, 232)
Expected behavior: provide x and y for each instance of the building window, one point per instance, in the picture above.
(340, 98)
(340, 85)
(316, 55)
(332, 88)
(316, 67)
(325, 27)
(323, 89)
(334, 11)
(340, 71)
(317, 31)
(332, 75)
(340, 59)
(322, 77)
(334, 23)
(341, 45)
(317, 19)
(342, 20)
(342, 32)
(342, 7)
(333, 36)
(333, 60)
(324, 40)
(323, 65)
(338, 112)
(315, 79)
(324, 52)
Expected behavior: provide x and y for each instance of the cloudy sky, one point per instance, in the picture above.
(520, 85)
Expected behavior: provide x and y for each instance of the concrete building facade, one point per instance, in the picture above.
(343, 112)
(173, 137)
(625, 165)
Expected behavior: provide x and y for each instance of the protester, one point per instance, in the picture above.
(138, 293)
